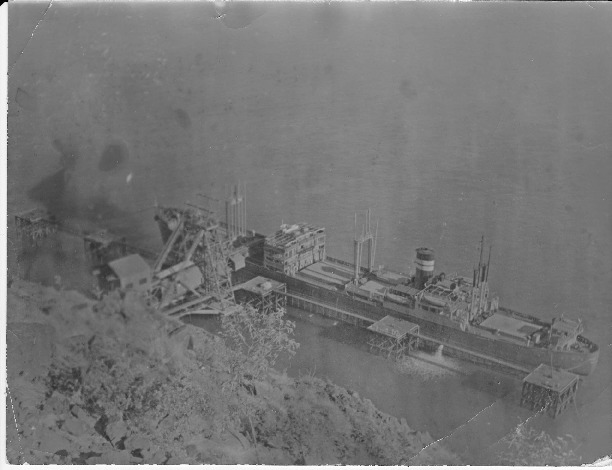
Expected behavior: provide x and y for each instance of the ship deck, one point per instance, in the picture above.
(512, 327)
(328, 272)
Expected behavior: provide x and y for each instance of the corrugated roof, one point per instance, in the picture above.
(259, 285)
(102, 237)
(35, 215)
(130, 266)
(288, 235)
(394, 327)
(553, 379)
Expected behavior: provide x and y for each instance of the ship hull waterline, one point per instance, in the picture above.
(444, 330)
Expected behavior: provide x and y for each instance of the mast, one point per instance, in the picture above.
(244, 204)
(374, 243)
(489, 263)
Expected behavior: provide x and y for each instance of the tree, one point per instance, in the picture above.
(255, 341)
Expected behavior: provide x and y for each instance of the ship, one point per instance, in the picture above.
(458, 311)
(203, 259)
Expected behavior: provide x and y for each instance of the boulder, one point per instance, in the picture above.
(52, 441)
(57, 404)
(122, 457)
(81, 414)
(137, 442)
(76, 427)
(116, 431)
(49, 421)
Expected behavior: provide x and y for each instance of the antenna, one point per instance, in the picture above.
(489, 263)
(244, 206)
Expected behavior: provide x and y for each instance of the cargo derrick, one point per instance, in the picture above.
(194, 260)
(367, 239)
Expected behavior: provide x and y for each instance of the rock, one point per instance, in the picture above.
(57, 404)
(26, 394)
(51, 441)
(29, 346)
(116, 431)
(75, 426)
(81, 414)
(112, 458)
(83, 457)
(157, 457)
(174, 461)
(137, 442)
(424, 438)
(49, 421)
(191, 450)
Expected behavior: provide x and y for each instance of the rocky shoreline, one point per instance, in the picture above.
(113, 382)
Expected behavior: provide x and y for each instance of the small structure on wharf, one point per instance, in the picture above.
(103, 247)
(549, 388)
(266, 295)
(393, 337)
(34, 225)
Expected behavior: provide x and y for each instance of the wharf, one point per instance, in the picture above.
(394, 336)
(369, 317)
(265, 295)
(311, 305)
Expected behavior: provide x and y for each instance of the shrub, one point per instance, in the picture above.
(256, 341)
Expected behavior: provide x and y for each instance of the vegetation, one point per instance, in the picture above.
(113, 382)
(526, 446)
(256, 340)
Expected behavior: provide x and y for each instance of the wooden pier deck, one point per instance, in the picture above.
(310, 304)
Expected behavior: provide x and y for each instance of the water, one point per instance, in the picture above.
(448, 121)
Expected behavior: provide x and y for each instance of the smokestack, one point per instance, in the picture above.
(424, 266)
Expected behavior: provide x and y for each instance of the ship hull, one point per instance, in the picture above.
(438, 327)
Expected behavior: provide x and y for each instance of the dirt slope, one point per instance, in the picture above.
(112, 382)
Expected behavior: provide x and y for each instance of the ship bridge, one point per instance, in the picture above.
(564, 333)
